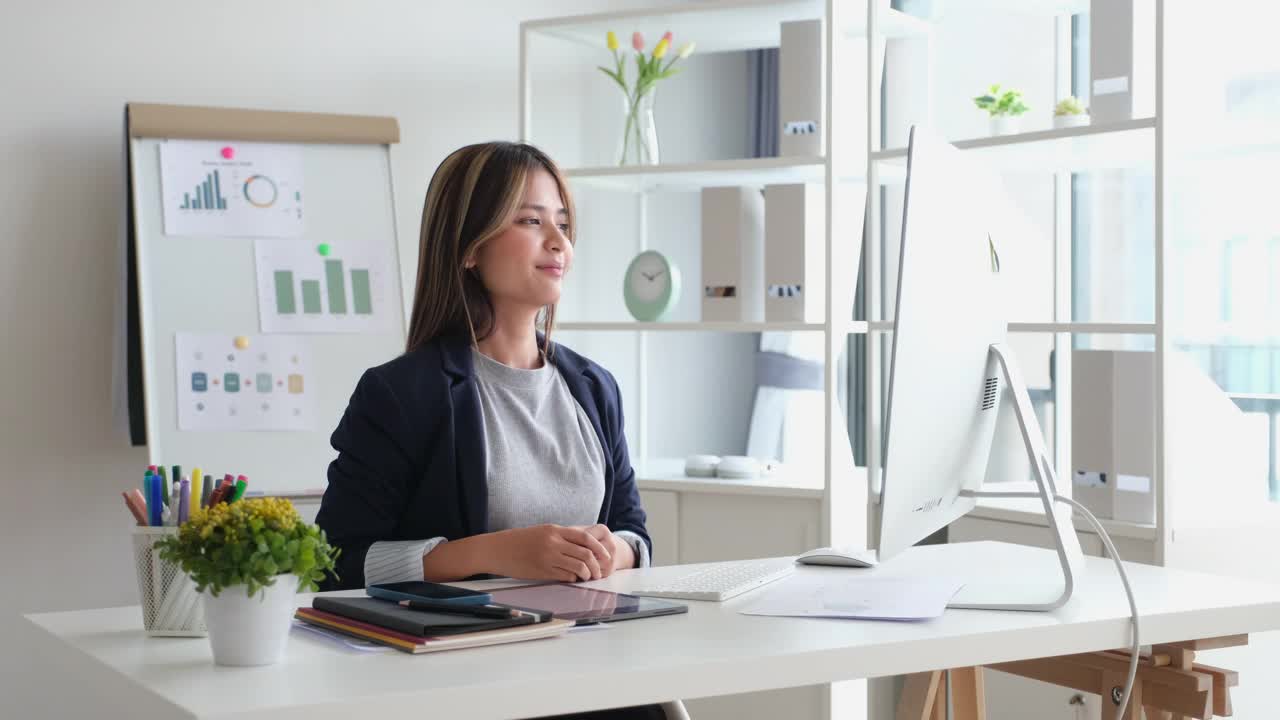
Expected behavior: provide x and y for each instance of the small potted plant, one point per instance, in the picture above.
(1070, 112)
(1003, 108)
(248, 560)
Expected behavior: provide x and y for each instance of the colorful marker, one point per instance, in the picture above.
(184, 501)
(175, 500)
(146, 493)
(241, 484)
(139, 512)
(197, 487)
(164, 482)
(154, 503)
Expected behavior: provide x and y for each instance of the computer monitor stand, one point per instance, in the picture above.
(1033, 593)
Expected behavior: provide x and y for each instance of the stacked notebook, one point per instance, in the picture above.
(422, 631)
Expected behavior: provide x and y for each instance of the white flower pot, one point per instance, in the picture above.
(1070, 121)
(1004, 124)
(247, 630)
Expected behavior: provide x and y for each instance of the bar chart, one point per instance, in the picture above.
(305, 289)
(206, 196)
(217, 189)
(335, 283)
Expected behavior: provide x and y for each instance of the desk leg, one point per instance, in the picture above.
(920, 695)
(924, 695)
(968, 694)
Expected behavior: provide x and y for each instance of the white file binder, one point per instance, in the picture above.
(732, 254)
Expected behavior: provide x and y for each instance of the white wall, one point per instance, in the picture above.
(446, 70)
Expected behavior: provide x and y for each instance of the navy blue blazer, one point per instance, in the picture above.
(411, 456)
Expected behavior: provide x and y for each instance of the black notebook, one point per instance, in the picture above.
(422, 623)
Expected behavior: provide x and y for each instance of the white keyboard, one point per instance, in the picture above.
(721, 582)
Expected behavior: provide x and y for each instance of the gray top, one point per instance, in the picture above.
(544, 464)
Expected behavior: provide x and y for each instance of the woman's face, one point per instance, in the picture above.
(525, 265)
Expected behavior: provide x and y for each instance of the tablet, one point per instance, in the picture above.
(583, 605)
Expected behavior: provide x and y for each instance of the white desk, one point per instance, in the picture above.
(102, 657)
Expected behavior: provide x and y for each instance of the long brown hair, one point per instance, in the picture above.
(472, 198)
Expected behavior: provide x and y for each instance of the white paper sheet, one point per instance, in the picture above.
(231, 189)
(266, 385)
(346, 642)
(330, 288)
(861, 598)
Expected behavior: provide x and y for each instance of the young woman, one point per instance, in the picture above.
(486, 448)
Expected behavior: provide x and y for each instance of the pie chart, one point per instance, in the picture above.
(260, 191)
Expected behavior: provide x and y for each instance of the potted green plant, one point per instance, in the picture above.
(1070, 112)
(1004, 108)
(248, 560)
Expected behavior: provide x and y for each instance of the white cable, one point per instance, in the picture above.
(1135, 647)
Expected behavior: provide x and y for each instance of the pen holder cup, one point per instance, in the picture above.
(170, 604)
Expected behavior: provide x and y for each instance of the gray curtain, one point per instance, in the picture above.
(762, 102)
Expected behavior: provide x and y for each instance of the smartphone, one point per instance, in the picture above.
(420, 590)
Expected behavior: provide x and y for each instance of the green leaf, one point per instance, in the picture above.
(616, 79)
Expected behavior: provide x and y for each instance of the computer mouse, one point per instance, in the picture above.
(838, 557)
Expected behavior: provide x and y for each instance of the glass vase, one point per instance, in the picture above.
(639, 142)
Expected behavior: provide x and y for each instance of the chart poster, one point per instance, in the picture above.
(244, 382)
(231, 189)
(325, 288)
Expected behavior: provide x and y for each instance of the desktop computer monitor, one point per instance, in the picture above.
(950, 368)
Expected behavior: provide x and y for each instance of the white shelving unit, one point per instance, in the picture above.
(719, 327)
(841, 500)
(1058, 152)
(1168, 146)
(667, 475)
(1093, 147)
(719, 25)
(755, 172)
(724, 26)
(1149, 143)
(716, 519)
(1079, 328)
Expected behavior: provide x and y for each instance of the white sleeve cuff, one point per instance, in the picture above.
(638, 545)
(397, 560)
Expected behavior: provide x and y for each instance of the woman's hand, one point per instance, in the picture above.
(622, 555)
(552, 552)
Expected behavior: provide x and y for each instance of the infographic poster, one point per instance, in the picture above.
(244, 382)
(231, 189)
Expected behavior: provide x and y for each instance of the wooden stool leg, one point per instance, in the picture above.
(920, 695)
(968, 694)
